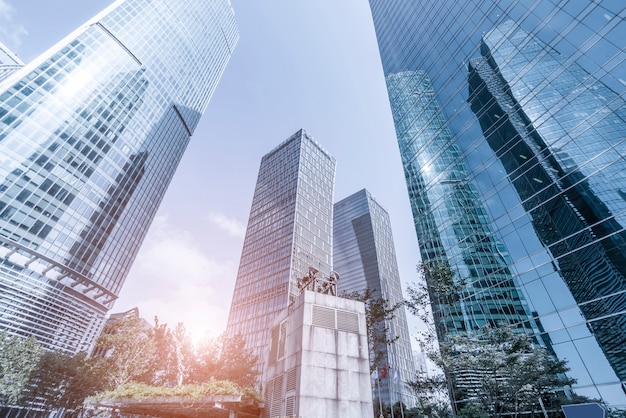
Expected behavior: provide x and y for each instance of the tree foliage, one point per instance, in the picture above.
(162, 367)
(128, 349)
(508, 372)
(434, 297)
(437, 410)
(237, 363)
(63, 381)
(206, 363)
(139, 391)
(162, 356)
(430, 300)
(174, 355)
(431, 391)
(183, 353)
(45, 380)
(19, 357)
(130, 354)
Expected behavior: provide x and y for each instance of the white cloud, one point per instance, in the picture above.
(5, 8)
(230, 225)
(10, 33)
(173, 278)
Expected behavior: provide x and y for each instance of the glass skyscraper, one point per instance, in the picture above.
(9, 62)
(91, 133)
(530, 125)
(289, 230)
(365, 258)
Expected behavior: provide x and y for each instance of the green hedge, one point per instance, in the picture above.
(140, 391)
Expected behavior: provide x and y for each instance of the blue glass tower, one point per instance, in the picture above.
(91, 133)
(537, 125)
(365, 258)
(452, 226)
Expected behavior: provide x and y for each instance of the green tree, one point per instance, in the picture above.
(206, 363)
(437, 410)
(511, 374)
(183, 353)
(434, 297)
(132, 351)
(472, 410)
(63, 380)
(128, 349)
(162, 367)
(19, 357)
(237, 363)
(431, 301)
(174, 355)
(430, 389)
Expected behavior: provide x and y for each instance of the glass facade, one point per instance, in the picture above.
(452, 225)
(289, 230)
(566, 163)
(530, 126)
(365, 258)
(91, 133)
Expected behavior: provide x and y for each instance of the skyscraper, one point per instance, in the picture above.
(91, 133)
(9, 62)
(289, 231)
(452, 225)
(365, 258)
(537, 125)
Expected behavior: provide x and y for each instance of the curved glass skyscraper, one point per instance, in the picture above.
(91, 133)
(526, 156)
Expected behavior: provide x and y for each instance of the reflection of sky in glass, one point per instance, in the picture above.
(441, 39)
(558, 168)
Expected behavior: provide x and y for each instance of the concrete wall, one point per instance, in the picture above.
(319, 360)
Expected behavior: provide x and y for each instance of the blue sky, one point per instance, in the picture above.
(298, 64)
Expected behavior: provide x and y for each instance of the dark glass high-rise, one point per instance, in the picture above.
(365, 258)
